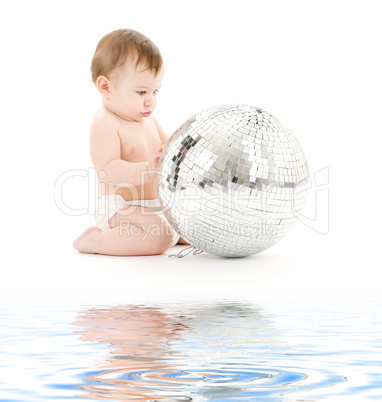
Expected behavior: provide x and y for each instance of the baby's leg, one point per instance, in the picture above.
(132, 234)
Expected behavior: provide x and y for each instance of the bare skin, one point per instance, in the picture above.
(125, 145)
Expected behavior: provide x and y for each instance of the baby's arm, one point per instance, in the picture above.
(105, 152)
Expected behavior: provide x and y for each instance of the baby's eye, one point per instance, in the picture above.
(141, 92)
(156, 91)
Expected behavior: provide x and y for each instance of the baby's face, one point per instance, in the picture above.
(134, 93)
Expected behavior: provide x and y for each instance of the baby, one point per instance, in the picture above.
(126, 141)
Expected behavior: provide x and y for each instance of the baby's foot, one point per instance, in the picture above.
(85, 243)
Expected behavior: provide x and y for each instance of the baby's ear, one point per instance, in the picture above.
(103, 86)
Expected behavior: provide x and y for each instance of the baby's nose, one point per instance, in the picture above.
(148, 101)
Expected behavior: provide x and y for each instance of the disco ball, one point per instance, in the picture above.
(232, 180)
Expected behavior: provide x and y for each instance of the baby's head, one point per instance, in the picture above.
(127, 69)
(124, 45)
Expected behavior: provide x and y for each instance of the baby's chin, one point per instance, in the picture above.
(136, 117)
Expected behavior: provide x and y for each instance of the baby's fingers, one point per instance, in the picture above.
(158, 154)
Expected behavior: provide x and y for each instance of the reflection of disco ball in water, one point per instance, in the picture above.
(232, 180)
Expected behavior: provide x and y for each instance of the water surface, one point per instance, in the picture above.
(219, 350)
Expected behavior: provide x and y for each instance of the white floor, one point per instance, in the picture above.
(304, 264)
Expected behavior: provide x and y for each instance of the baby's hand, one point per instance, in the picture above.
(157, 157)
(153, 165)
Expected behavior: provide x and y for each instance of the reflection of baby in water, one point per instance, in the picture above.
(139, 337)
(149, 343)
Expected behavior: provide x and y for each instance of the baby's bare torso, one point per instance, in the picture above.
(139, 142)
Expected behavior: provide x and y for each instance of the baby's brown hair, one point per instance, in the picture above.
(116, 47)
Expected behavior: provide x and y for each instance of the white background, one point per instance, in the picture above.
(315, 65)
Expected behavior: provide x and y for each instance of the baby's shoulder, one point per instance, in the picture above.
(102, 118)
(103, 124)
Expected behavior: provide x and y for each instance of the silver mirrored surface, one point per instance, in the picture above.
(232, 180)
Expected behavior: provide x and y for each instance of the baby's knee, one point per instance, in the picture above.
(162, 243)
(160, 238)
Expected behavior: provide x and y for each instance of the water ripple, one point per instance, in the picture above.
(215, 381)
